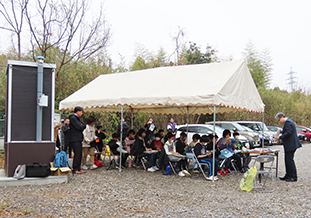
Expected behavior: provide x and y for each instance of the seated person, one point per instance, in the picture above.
(101, 136)
(206, 157)
(156, 144)
(189, 154)
(129, 140)
(140, 148)
(114, 144)
(161, 132)
(170, 150)
(245, 157)
(226, 143)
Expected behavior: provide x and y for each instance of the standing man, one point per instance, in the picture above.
(290, 143)
(76, 138)
(151, 127)
(172, 127)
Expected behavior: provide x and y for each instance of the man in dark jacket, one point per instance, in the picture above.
(290, 144)
(76, 138)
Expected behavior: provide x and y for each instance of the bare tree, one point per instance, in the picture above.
(64, 25)
(176, 39)
(13, 16)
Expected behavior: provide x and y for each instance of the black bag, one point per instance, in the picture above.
(37, 170)
(113, 165)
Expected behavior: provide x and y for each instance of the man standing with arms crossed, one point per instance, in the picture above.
(290, 144)
(76, 138)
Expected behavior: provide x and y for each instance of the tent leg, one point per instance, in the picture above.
(121, 136)
(187, 121)
(132, 120)
(262, 138)
(214, 141)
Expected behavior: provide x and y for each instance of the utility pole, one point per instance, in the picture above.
(291, 79)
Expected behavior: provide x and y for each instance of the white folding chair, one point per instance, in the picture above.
(204, 167)
(265, 171)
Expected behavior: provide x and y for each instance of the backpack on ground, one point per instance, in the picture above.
(97, 162)
(61, 160)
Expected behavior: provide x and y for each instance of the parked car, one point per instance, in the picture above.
(304, 130)
(203, 129)
(261, 129)
(275, 129)
(253, 137)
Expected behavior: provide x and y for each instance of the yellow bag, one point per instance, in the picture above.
(247, 182)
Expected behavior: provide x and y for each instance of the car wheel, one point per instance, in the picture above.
(310, 139)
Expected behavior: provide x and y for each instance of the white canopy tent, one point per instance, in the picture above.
(169, 90)
(187, 89)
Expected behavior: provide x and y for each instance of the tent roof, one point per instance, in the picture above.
(171, 90)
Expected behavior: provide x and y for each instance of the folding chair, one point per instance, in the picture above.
(172, 163)
(264, 172)
(203, 166)
(223, 161)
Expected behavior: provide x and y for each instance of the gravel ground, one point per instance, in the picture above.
(137, 193)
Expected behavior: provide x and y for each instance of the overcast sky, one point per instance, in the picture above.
(283, 27)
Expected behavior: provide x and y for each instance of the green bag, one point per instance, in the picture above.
(247, 182)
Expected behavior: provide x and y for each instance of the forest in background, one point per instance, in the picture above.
(78, 48)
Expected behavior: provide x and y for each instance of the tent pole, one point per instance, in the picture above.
(263, 121)
(214, 141)
(121, 133)
(132, 120)
(187, 120)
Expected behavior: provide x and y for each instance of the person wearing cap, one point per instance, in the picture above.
(290, 144)
(151, 127)
(76, 138)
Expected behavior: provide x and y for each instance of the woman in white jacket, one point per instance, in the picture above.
(89, 136)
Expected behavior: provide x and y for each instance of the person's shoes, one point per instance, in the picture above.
(181, 174)
(211, 178)
(186, 173)
(195, 170)
(291, 180)
(155, 168)
(242, 171)
(151, 169)
(227, 172)
(221, 173)
(283, 178)
(79, 172)
(84, 167)
(93, 167)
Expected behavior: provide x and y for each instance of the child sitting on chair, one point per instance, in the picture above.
(170, 150)
(206, 156)
(245, 157)
(226, 143)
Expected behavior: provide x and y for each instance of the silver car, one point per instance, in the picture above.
(203, 129)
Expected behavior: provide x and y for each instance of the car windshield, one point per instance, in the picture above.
(217, 129)
(238, 127)
(247, 129)
(256, 126)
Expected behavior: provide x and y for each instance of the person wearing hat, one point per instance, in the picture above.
(151, 127)
(290, 144)
(76, 138)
